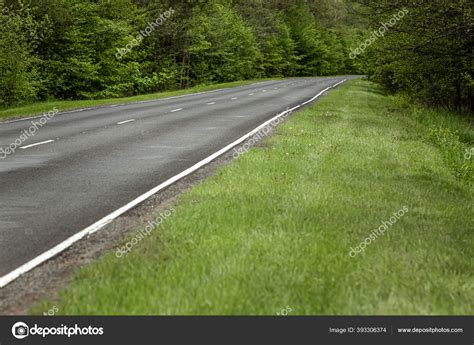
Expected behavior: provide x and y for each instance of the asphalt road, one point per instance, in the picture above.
(103, 158)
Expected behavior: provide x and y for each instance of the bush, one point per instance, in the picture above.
(453, 151)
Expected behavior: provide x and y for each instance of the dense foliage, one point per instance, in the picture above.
(83, 49)
(428, 53)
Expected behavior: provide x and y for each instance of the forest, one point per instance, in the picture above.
(91, 49)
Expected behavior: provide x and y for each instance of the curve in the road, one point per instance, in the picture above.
(84, 166)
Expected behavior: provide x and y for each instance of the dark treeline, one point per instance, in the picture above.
(85, 49)
(428, 53)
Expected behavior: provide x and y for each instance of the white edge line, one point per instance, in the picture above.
(175, 110)
(123, 122)
(8, 278)
(41, 143)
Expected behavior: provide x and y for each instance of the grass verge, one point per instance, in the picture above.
(44, 107)
(274, 229)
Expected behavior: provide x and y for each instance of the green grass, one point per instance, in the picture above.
(44, 107)
(274, 228)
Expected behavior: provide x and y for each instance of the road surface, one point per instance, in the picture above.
(81, 166)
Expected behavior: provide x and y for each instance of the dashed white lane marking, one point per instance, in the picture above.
(126, 121)
(234, 98)
(166, 147)
(251, 94)
(211, 103)
(41, 143)
(129, 103)
(175, 110)
(11, 276)
(264, 90)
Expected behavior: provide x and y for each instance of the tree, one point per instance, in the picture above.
(18, 36)
(428, 52)
(222, 47)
